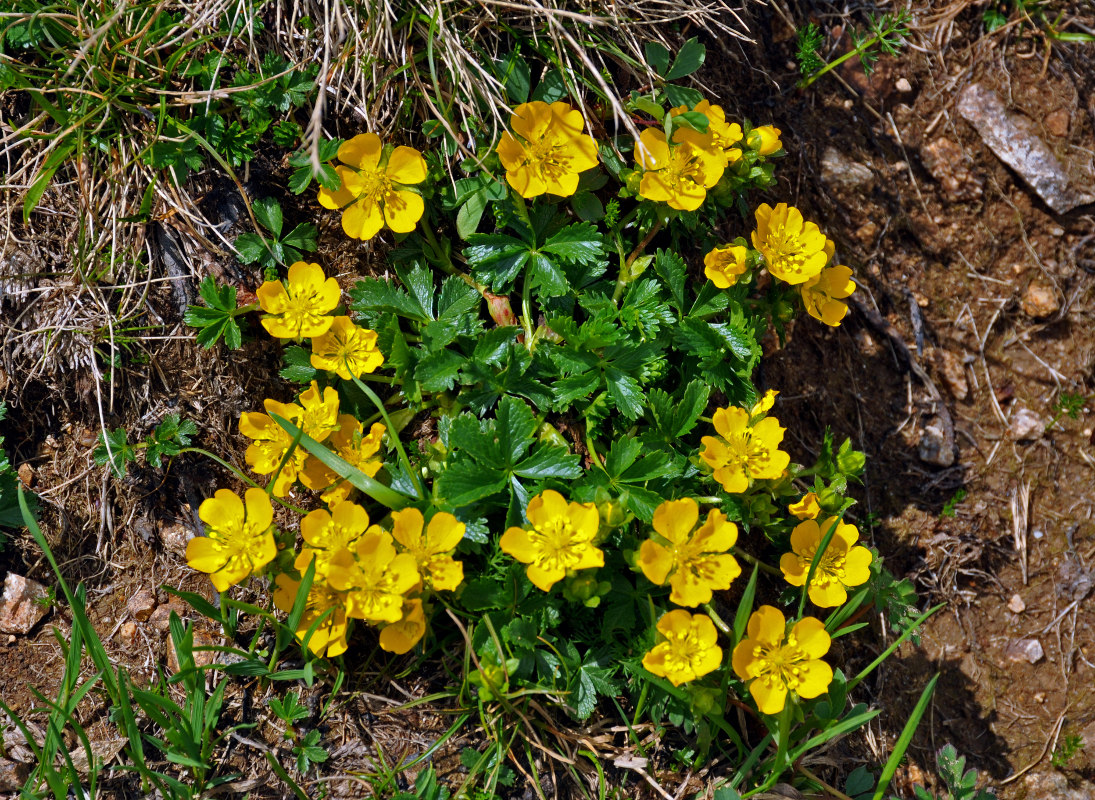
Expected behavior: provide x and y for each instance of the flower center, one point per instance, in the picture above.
(557, 544)
(782, 664)
(683, 166)
(548, 156)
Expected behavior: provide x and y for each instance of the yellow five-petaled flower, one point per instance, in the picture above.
(679, 174)
(374, 192)
(793, 249)
(774, 662)
(689, 649)
(561, 539)
(842, 565)
(744, 449)
(374, 576)
(724, 265)
(239, 541)
(346, 349)
(695, 562)
(551, 152)
(299, 308)
(432, 548)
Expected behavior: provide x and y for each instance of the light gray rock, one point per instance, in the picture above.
(1014, 140)
(841, 172)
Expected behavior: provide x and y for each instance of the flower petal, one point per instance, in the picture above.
(407, 166)
(363, 151)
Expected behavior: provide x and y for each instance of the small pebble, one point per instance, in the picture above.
(903, 85)
(1029, 650)
(1016, 604)
(1039, 300)
(1025, 425)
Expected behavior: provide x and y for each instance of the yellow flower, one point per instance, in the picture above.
(373, 194)
(239, 541)
(822, 294)
(354, 447)
(320, 418)
(806, 508)
(742, 451)
(843, 564)
(346, 349)
(695, 563)
(721, 137)
(679, 175)
(431, 550)
(272, 442)
(327, 532)
(551, 152)
(400, 637)
(765, 140)
(330, 635)
(689, 651)
(724, 265)
(299, 309)
(374, 577)
(774, 662)
(793, 248)
(561, 539)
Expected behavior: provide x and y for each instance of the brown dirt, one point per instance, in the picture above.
(945, 242)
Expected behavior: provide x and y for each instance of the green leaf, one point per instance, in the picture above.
(376, 296)
(552, 87)
(302, 237)
(516, 77)
(688, 60)
(549, 462)
(268, 213)
(580, 243)
(587, 207)
(625, 393)
(298, 365)
(438, 371)
(657, 56)
(470, 214)
(496, 258)
(466, 482)
(546, 276)
(251, 247)
(671, 269)
(114, 449)
(42, 180)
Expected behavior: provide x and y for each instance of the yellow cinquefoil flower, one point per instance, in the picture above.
(678, 175)
(299, 308)
(355, 447)
(806, 508)
(271, 442)
(724, 265)
(843, 564)
(743, 450)
(561, 539)
(432, 548)
(239, 541)
(793, 248)
(765, 140)
(775, 662)
(346, 349)
(330, 636)
(690, 649)
(327, 532)
(374, 577)
(400, 637)
(823, 293)
(721, 138)
(695, 562)
(320, 418)
(374, 194)
(551, 152)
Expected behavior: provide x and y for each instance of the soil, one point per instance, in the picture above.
(972, 322)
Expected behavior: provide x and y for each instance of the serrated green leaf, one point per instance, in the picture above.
(549, 462)
(251, 247)
(268, 213)
(496, 258)
(302, 237)
(465, 482)
(546, 276)
(625, 393)
(298, 365)
(438, 371)
(576, 244)
(671, 269)
(376, 296)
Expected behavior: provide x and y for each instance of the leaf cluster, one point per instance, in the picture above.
(167, 440)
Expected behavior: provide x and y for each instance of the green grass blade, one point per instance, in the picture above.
(903, 741)
(384, 495)
(896, 644)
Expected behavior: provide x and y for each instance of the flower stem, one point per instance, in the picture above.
(784, 730)
(756, 562)
(526, 312)
(720, 623)
(625, 269)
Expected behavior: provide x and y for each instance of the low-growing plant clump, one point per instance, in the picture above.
(593, 496)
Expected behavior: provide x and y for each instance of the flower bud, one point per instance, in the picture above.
(765, 140)
(849, 461)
